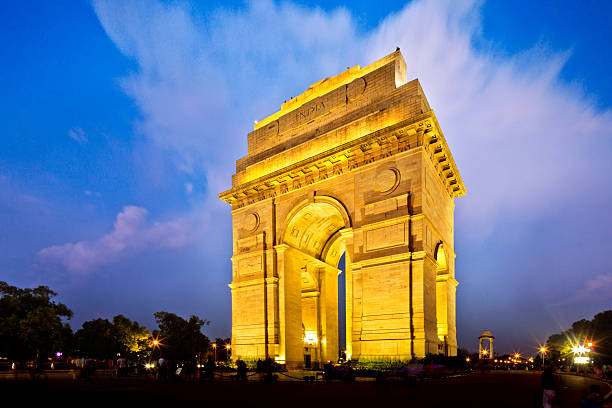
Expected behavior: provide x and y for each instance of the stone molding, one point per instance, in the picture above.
(355, 154)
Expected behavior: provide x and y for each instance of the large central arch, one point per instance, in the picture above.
(314, 227)
(312, 244)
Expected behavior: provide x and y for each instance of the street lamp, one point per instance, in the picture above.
(215, 352)
(543, 351)
(156, 341)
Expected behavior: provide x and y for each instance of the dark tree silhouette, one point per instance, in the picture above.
(181, 339)
(101, 338)
(31, 325)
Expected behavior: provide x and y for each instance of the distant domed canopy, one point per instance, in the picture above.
(486, 334)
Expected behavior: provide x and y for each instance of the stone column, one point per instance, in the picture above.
(329, 313)
(347, 236)
(424, 305)
(290, 305)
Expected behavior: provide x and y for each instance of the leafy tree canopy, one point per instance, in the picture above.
(31, 325)
(101, 338)
(131, 336)
(181, 339)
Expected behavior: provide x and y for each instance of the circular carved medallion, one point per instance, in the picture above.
(387, 180)
(250, 222)
(355, 89)
(272, 129)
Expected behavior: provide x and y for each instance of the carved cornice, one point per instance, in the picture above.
(440, 155)
(421, 131)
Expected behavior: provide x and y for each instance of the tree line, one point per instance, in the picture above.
(33, 327)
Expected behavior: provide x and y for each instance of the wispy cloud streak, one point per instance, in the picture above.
(131, 234)
(77, 134)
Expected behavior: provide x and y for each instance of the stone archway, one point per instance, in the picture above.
(357, 164)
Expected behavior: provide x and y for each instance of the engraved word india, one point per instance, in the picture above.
(355, 167)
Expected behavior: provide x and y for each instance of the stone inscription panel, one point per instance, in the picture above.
(250, 265)
(250, 243)
(273, 131)
(385, 237)
(313, 109)
(383, 206)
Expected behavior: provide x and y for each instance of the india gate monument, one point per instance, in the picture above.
(356, 166)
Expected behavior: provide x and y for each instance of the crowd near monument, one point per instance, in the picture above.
(357, 165)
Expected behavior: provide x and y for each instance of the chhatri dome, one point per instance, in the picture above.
(486, 333)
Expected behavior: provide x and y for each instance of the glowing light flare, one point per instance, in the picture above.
(156, 342)
(310, 337)
(542, 350)
(580, 349)
(582, 360)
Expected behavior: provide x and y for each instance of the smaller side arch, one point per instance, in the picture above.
(333, 249)
(440, 256)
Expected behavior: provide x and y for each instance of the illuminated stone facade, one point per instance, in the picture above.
(357, 164)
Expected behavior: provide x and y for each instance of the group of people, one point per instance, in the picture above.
(169, 370)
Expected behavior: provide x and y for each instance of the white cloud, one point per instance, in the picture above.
(201, 83)
(519, 135)
(77, 134)
(188, 188)
(131, 234)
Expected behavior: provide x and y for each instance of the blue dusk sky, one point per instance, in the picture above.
(121, 121)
